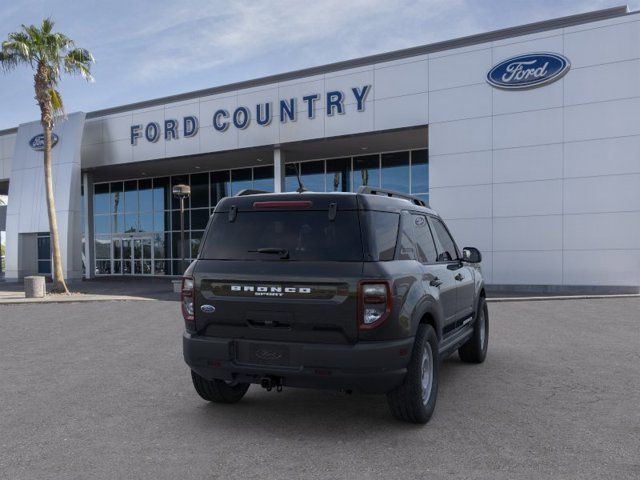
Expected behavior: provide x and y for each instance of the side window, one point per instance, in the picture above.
(447, 251)
(424, 241)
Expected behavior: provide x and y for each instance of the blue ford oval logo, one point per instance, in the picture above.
(37, 142)
(528, 71)
(208, 308)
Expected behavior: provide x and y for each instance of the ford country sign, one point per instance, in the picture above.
(528, 71)
(37, 142)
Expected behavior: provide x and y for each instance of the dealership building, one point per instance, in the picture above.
(526, 140)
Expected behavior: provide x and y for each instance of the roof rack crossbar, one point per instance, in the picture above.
(249, 191)
(390, 193)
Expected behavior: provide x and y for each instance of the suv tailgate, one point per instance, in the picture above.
(300, 301)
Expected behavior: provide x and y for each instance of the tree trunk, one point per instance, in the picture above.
(59, 285)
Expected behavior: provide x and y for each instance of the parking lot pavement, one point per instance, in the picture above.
(101, 391)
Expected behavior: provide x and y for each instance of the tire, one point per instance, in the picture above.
(218, 391)
(475, 350)
(414, 401)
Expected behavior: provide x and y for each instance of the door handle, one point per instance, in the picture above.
(435, 282)
(459, 277)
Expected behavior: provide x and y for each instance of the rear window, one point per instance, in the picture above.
(304, 235)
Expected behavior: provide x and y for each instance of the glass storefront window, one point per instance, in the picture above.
(161, 194)
(103, 267)
(117, 190)
(117, 223)
(420, 171)
(220, 186)
(145, 211)
(44, 253)
(366, 171)
(161, 221)
(196, 237)
(175, 220)
(103, 248)
(160, 267)
(117, 249)
(200, 190)
(312, 174)
(175, 245)
(159, 242)
(130, 223)
(101, 224)
(241, 179)
(199, 218)
(338, 175)
(263, 178)
(290, 180)
(101, 198)
(395, 171)
(131, 196)
(145, 195)
(145, 222)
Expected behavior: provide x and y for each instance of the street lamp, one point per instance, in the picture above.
(181, 192)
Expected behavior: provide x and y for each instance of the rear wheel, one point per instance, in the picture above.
(218, 391)
(415, 400)
(475, 350)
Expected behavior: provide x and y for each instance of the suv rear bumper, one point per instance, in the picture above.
(370, 367)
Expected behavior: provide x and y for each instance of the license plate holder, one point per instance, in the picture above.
(263, 353)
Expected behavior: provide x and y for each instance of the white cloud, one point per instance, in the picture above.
(202, 38)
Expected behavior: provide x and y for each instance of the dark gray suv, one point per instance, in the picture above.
(358, 291)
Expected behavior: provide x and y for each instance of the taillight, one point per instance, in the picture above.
(374, 302)
(186, 299)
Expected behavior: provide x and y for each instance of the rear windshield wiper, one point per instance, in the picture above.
(283, 252)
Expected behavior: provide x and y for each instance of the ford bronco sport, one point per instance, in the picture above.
(358, 292)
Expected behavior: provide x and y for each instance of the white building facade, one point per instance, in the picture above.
(526, 140)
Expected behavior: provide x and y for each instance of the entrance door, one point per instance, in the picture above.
(133, 255)
(143, 256)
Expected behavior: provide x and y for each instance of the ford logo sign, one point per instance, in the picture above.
(528, 71)
(208, 308)
(37, 142)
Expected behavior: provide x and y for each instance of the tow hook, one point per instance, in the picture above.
(268, 383)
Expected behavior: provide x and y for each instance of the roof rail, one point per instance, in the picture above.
(390, 193)
(249, 191)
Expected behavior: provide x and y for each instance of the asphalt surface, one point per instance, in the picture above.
(101, 391)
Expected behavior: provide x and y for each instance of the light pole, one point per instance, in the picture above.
(181, 192)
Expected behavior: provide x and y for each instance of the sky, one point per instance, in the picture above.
(148, 49)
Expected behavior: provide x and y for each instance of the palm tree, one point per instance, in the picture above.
(49, 54)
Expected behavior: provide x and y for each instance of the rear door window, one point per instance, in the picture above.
(304, 235)
(445, 245)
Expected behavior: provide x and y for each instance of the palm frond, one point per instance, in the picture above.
(56, 102)
(47, 25)
(78, 61)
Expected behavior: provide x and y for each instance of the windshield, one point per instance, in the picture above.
(284, 235)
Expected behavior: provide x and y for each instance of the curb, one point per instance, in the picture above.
(560, 297)
(77, 299)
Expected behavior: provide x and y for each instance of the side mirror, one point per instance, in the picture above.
(471, 255)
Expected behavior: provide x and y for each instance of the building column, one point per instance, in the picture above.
(87, 207)
(278, 170)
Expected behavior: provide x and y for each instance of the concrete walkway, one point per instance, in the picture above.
(103, 289)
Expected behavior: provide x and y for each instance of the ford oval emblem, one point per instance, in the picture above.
(528, 71)
(37, 142)
(208, 308)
